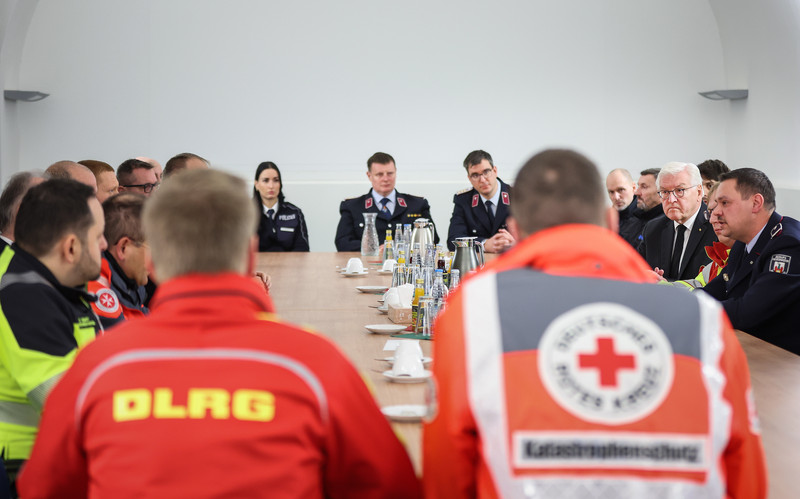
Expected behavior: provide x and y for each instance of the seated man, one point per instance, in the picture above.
(137, 176)
(44, 311)
(675, 246)
(120, 289)
(212, 395)
(760, 286)
(184, 161)
(72, 170)
(481, 211)
(12, 195)
(621, 188)
(107, 183)
(561, 372)
(393, 207)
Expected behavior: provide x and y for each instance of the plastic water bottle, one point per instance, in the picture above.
(439, 290)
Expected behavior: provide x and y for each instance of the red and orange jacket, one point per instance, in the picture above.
(211, 395)
(560, 369)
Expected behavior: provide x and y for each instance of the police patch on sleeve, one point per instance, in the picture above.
(107, 301)
(779, 264)
(606, 363)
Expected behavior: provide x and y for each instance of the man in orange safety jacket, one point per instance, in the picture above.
(563, 371)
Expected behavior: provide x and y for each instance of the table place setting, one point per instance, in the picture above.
(408, 363)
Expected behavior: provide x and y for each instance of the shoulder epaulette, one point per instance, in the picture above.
(462, 191)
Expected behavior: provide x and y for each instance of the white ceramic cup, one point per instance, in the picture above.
(408, 348)
(388, 265)
(408, 365)
(354, 265)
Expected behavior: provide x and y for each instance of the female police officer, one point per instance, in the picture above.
(281, 226)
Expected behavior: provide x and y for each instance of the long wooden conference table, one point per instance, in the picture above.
(307, 290)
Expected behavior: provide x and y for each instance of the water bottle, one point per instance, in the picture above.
(439, 290)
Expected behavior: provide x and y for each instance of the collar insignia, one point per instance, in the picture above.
(368, 203)
(474, 200)
(401, 202)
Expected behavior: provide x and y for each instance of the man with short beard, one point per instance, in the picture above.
(45, 314)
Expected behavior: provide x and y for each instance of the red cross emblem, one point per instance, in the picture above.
(606, 361)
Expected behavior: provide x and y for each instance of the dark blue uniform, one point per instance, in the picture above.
(351, 224)
(287, 232)
(658, 239)
(470, 219)
(761, 291)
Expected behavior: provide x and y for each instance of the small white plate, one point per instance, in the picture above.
(385, 328)
(406, 413)
(355, 274)
(408, 379)
(386, 272)
(375, 290)
(383, 309)
(390, 360)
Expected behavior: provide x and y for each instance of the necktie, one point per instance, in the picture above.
(488, 205)
(271, 214)
(385, 213)
(674, 265)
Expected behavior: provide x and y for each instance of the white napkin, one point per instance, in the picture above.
(400, 296)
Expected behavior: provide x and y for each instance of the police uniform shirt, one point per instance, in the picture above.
(284, 230)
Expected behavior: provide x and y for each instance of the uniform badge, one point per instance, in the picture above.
(107, 301)
(606, 363)
(401, 202)
(779, 264)
(368, 203)
(474, 200)
(504, 197)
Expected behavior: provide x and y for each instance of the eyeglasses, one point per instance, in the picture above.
(679, 193)
(147, 188)
(485, 174)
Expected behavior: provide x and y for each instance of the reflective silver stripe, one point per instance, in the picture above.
(149, 355)
(720, 411)
(38, 395)
(485, 379)
(19, 414)
(29, 277)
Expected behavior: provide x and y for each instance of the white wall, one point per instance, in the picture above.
(317, 87)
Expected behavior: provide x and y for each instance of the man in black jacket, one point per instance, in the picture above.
(392, 207)
(675, 245)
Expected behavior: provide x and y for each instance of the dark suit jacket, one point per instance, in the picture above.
(470, 218)
(761, 291)
(658, 238)
(351, 223)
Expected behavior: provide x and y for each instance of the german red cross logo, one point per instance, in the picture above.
(401, 202)
(605, 363)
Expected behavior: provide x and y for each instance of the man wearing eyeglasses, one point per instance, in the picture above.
(137, 176)
(675, 246)
(481, 211)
